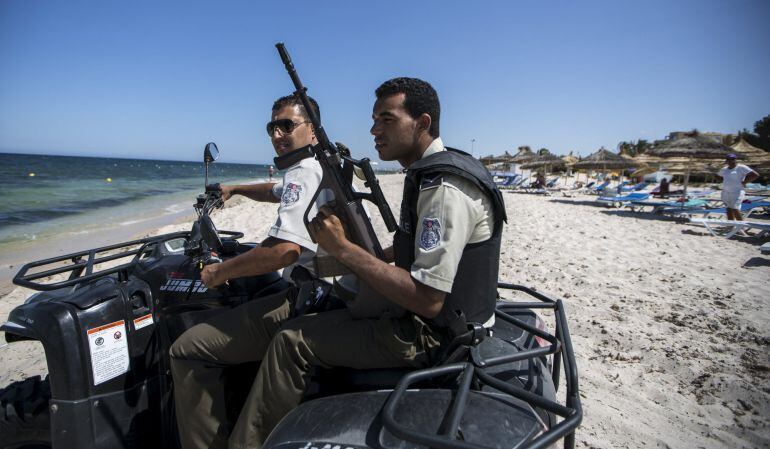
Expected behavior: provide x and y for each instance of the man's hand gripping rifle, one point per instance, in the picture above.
(338, 167)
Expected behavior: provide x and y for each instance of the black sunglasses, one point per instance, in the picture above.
(287, 126)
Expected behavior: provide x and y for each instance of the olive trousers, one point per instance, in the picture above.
(288, 348)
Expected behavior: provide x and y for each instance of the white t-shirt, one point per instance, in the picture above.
(733, 177)
(298, 186)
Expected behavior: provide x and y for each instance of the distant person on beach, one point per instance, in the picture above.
(242, 334)
(270, 172)
(539, 181)
(664, 187)
(734, 179)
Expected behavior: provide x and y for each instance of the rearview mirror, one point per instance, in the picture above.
(210, 153)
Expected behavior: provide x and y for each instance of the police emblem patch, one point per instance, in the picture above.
(431, 233)
(290, 194)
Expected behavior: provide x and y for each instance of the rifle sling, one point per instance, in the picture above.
(292, 157)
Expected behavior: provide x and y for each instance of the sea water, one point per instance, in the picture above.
(64, 198)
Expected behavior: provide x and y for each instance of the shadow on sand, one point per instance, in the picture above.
(643, 215)
(757, 262)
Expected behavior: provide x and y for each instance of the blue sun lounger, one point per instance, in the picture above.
(746, 210)
(621, 200)
(658, 205)
(598, 190)
(635, 187)
(508, 182)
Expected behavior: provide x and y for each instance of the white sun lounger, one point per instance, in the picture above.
(733, 226)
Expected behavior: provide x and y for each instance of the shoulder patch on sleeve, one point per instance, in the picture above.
(291, 194)
(431, 180)
(431, 233)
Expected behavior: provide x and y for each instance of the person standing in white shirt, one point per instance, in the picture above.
(734, 179)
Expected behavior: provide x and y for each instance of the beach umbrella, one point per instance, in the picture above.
(544, 161)
(692, 146)
(524, 155)
(569, 162)
(756, 158)
(605, 159)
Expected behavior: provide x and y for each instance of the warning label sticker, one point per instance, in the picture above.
(109, 351)
(143, 321)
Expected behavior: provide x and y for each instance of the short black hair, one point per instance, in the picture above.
(421, 98)
(294, 100)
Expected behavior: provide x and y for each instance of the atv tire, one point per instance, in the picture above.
(25, 421)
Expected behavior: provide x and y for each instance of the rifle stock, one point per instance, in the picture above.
(337, 166)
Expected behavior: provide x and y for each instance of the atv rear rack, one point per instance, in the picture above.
(561, 348)
(77, 265)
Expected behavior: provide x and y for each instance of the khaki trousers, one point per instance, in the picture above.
(261, 330)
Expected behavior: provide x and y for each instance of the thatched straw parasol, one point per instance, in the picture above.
(523, 156)
(692, 145)
(544, 161)
(756, 158)
(570, 160)
(645, 170)
(605, 159)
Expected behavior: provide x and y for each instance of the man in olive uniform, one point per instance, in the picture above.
(242, 334)
(446, 253)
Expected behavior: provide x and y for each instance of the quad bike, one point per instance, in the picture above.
(106, 331)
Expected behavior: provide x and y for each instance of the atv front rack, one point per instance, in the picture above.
(560, 346)
(80, 265)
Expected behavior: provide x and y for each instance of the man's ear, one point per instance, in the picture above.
(423, 122)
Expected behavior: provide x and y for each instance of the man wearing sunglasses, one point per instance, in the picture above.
(242, 334)
(288, 242)
(446, 255)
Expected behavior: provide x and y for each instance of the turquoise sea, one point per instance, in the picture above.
(56, 198)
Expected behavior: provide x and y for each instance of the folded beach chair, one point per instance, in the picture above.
(508, 182)
(600, 188)
(585, 189)
(552, 183)
(636, 187)
(531, 188)
(519, 184)
(731, 227)
(621, 200)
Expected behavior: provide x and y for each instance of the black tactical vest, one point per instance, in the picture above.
(474, 290)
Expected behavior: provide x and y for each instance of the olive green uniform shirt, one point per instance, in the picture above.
(451, 214)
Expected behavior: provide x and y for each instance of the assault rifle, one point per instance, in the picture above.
(338, 167)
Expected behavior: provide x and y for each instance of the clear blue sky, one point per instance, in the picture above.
(160, 79)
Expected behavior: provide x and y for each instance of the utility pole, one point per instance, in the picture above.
(472, 142)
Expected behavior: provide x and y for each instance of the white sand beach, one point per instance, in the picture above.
(671, 326)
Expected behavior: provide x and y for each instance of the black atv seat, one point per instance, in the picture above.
(347, 379)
